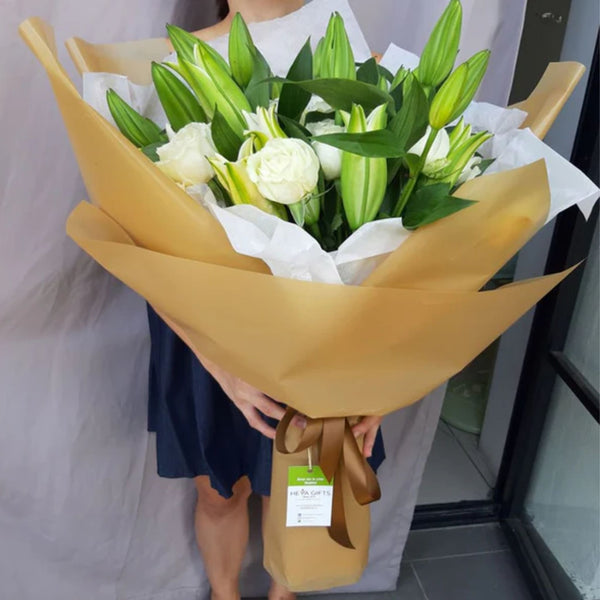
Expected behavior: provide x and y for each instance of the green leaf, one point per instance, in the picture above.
(485, 164)
(389, 200)
(221, 195)
(373, 144)
(258, 91)
(385, 73)
(314, 116)
(241, 51)
(179, 103)
(368, 72)
(293, 100)
(150, 151)
(293, 129)
(341, 94)
(394, 166)
(413, 164)
(431, 203)
(137, 129)
(226, 140)
(410, 122)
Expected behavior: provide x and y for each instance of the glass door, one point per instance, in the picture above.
(551, 491)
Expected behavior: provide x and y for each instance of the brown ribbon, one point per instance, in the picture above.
(340, 456)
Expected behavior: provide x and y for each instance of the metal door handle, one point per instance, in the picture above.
(550, 16)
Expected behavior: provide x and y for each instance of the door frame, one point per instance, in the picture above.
(544, 363)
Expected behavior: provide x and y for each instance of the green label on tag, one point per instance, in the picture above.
(301, 476)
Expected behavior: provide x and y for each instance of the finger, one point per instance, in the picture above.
(299, 421)
(268, 407)
(256, 422)
(369, 442)
(366, 424)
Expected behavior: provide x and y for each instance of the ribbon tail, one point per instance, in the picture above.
(363, 481)
(338, 530)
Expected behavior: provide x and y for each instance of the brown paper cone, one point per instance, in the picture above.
(326, 350)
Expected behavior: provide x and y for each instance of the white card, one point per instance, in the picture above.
(310, 498)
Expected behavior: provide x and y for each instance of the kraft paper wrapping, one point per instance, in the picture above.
(549, 96)
(328, 351)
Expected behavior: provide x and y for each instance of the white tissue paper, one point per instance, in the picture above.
(287, 249)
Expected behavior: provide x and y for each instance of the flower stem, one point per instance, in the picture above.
(315, 230)
(407, 190)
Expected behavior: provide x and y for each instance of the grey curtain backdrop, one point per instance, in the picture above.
(82, 512)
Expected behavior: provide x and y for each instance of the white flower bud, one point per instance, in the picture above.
(329, 157)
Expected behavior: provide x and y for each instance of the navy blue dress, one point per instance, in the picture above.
(199, 431)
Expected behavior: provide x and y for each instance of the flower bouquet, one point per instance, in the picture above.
(252, 196)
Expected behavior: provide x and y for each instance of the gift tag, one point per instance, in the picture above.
(310, 498)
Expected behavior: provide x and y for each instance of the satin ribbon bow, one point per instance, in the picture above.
(340, 456)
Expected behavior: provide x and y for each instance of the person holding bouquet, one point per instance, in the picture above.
(212, 426)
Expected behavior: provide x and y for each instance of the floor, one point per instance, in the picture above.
(455, 470)
(457, 563)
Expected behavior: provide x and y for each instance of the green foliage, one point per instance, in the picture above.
(294, 100)
(431, 203)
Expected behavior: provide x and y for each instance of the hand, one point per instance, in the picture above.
(250, 401)
(368, 426)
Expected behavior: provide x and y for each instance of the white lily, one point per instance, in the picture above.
(437, 157)
(263, 125)
(471, 171)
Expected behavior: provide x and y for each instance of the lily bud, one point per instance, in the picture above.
(439, 54)
(459, 134)
(318, 59)
(234, 179)
(334, 56)
(241, 51)
(448, 98)
(184, 44)
(476, 68)
(178, 102)
(363, 180)
(460, 158)
(214, 86)
(139, 130)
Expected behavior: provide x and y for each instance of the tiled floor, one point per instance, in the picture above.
(455, 469)
(458, 563)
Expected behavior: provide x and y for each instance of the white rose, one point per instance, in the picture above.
(438, 153)
(330, 157)
(183, 158)
(286, 170)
